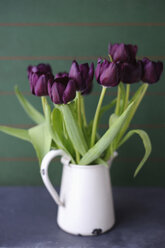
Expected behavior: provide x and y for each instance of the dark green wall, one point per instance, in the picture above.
(55, 32)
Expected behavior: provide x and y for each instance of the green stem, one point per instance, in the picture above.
(79, 107)
(79, 121)
(83, 111)
(117, 110)
(127, 96)
(43, 103)
(110, 58)
(95, 122)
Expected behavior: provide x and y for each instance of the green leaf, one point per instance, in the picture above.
(112, 119)
(109, 151)
(87, 132)
(59, 134)
(75, 133)
(41, 139)
(106, 139)
(101, 161)
(137, 98)
(33, 113)
(146, 142)
(56, 128)
(53, 145)
(16, 132)
(55, 125)
(138, 92)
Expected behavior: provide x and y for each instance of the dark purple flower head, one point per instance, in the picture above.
(107, 73)
(63, 89)
(131, 72)
(83, 76)
(62, 77)
(151, 70)
(122, 52)
(39, 76)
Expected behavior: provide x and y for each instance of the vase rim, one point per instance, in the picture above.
(78, 166)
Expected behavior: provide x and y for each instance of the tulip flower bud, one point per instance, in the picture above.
(131, 72)
(107, 73)
(63, 89)
(151, 71)
(83, 76)
(39, 76)
(122, 52)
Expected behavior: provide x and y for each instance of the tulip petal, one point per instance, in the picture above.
(49, 89)
(101, 66)
(97, 70)
(33, 78)
(122, 52)
(57, 92)
(75, 74)
(39, 76)
(151, 70)
(110, 76)
(91, 71)
(132, 50)
(34, 69)
(89, 81)
(70, 91)
(44, 68)
(131, 73)
(88, 89)
(41, 87)
(84, 69)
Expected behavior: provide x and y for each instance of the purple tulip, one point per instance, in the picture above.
(122, 52)
(107, 73)
(131, 72)
(39, 76)
(151, 70)
(63, 89)
(83, 76)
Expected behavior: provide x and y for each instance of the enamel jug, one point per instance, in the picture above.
(85, 202)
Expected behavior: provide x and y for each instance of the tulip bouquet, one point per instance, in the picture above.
(65, 126)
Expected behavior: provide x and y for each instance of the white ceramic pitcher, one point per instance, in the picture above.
(85, 202)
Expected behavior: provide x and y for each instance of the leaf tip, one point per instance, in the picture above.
(135, 174)
(16, 88)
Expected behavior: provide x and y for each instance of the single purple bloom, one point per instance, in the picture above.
(107, 73)
(63, 89)
(151, 71)
(122, 52)
(39, 76)
(131, 72)
(83, 76)
(101, 66)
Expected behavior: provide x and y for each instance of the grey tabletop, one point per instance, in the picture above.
(28, 219)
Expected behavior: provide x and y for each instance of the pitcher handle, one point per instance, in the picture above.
(44, 173)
